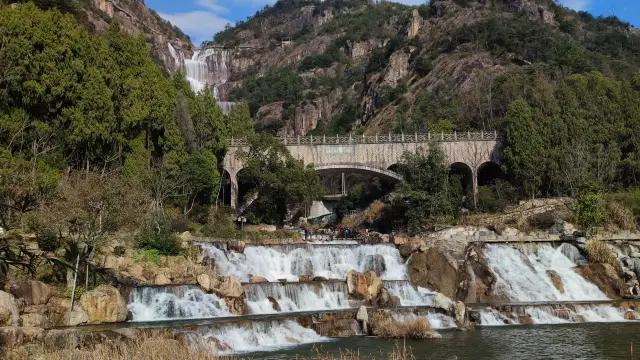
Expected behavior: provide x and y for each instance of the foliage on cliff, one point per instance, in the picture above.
(73, 101)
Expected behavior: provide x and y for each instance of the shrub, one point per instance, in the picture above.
(589, 213)
(48, 241)
(79, 292)
(157, 235)
(119, 250)
(151, 256)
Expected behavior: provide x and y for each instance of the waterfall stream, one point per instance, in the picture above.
(525, 278)
(408, 294)
(168, 303)
(258, 336)
(296, 297)
(290, 262)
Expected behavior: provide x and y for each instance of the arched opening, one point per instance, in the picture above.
(494, 191)
(395, 168)
(489, 172)
(246, 183)
(463, 173)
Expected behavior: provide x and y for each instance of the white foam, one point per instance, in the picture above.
(523, 283)
(296, 297)
(290, 262)
(258, 336)
(158, 304)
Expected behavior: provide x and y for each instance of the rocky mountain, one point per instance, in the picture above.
(356, 66)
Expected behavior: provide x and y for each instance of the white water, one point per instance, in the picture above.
(436, 320)
(157, 304)
(289, 262)
(259, 336)
(491, 317)
(409, 295)
(546, 315)
(296, 297)
(522, 283)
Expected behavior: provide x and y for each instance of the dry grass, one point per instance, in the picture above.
(148, 347)
(620, 217)
(387, 327)
(600, 252)
(163, 346)
(398, 353)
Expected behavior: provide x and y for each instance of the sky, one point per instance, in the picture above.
(201, 19)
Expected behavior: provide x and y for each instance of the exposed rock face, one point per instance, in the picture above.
(166, 45)
(33, 292)
(9, 311)
(398, 68)
(34, 320)
(104, 304)
(556, 280)
(78, 317)
(606, 278)
(416, 24)
(432, 270)
(162, 279)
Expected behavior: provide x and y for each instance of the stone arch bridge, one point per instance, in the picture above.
(376, 155)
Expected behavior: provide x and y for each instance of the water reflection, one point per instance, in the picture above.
(554, 342)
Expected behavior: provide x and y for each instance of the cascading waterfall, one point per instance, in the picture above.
(168, 303)
(200, 74)
(296, 297)
(290, 262)
(549, 315)
(523, 278)
(258, 336)
(410, 295)
(437, 321)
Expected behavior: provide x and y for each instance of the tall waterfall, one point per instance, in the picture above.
(200, 74)
(409, 295)
(525, 278)
(166, 303)
(257, 336)
(328, 261)
(296, 297)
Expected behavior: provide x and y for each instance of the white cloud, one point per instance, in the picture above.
(578, 5)
(212, 5)
(200, 25)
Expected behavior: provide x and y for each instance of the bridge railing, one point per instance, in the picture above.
(379, 139)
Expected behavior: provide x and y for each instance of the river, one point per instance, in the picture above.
(589, 341)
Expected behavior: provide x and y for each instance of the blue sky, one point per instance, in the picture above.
(201, 19)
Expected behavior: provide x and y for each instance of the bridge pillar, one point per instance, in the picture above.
(475, 188)
(234, 190)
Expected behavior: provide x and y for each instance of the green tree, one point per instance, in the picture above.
(432, 197)
(281, 182)
(523, 147)
(239, 123)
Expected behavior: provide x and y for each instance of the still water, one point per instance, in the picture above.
(577, 341)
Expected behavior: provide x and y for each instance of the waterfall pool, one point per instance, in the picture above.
(578, 341)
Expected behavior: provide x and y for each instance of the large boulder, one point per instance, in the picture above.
(556, 280)
(606, 278)
(35, 320)
(230, 287)
(374, 285)
(33, 292)
(77, 317)
(356, 285)
(104, 304)
(572, 253)
(258, 279)
(433, 270)
(9, 311)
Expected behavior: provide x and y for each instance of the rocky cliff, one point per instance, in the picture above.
(168, 44)
(355, 66)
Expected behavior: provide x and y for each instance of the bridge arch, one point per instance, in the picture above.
(359, 169)
(488, 172)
